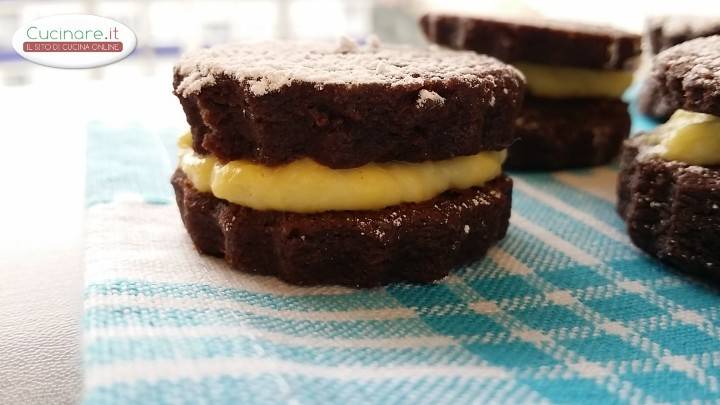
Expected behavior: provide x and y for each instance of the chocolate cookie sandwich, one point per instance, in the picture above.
(663, 33)
(351, 165)
(669, 184)
(573, 115)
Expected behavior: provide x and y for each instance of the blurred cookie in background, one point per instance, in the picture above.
(663, 32)
(576, 75)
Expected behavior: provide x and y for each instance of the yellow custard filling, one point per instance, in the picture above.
(565, 82)
(688, 137)
(306, 186)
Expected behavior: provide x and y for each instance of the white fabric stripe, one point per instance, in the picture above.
(144, 301)
(650, 365)
(553, 240)
(676, 362)
(511, 393)
(217, 275)
(140, 332)
(136, 331)
(601, 183)
(575, 362)
(570, 211)
(109, 257)
(672, 319)
(153, 371)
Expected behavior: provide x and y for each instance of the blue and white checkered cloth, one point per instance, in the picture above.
(564, 309)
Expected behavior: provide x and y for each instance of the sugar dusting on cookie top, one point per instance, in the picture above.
(265, 67)
(696, 62)
(685, 25)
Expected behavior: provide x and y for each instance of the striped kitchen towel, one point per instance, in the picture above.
(564, 309)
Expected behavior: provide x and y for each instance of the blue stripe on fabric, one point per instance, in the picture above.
(129, 316)
(265, 389)
(684, 340)
(549, 317)
(695, 296)
(604, 348)
(504, 286)
(625, 307)
(672, 386)
(640, 267)
(573, 391)
(219, 390)
(105, 351)
(129, 160)
(575, 277)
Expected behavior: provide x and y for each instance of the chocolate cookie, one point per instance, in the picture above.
(650, 103)
(663, 32)
(418, 242)
(345, 106)
(672, 209)
(686, 76)
(537, 40)
(567, 133)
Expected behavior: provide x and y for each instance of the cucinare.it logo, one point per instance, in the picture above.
(74, 41)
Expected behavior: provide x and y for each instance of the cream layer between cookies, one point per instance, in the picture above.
(570, 82)
(688, 137)
(305, 186)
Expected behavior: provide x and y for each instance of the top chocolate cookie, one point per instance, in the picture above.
(664, 32)
(540, 41)
(687, 76)
(345, 105)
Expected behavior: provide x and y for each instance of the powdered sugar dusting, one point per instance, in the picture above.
(426, 97)
(197, 80)
(689, 26)
(697, 62)
(345, 45)
(373, 42)
(265, 67)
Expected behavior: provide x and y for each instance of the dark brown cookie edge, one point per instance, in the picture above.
(672, 210)
(417, 243)
(562, 134)
(681, 78)
(343, 127)
(514, 41)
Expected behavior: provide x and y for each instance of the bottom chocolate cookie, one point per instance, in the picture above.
(569, 133)
(672, 209)
(415, 242)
